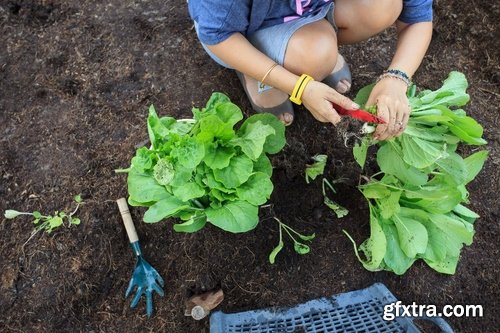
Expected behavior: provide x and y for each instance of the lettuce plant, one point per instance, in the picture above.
(204, 169)
(416, 200)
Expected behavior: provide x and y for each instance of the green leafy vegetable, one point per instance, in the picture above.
(317, 168)
(204, 169)
(416, 209)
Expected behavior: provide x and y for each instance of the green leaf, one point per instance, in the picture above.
(374, 190)
(143, 159)
(158, 130)
(215, 99)
(256, 190)
(194, 224)
(456, 229)
(451, 93)
(212, 127)
(77, 198)
(301, 248)
(374, 247)
(210, 181)
(143, 188)
(423, 133)
(189, 153)
(337, 209)
(218, 157)
(180, 127)
(274, 142)
(421, 153)
(236, 173)
(275, 251)
(389, 205)
(11, 214)
(37, 214)
(412, 234)
(363, 94)
(228, 112)
(446, 234)
(395, 258)
(163, 172)
(454, 166)
(235, 217)
(181, 175)
(317, 168)
(54, 222)
(252, 138)
(465, 212)
(75, 220)
(263, 164)
(447, 266)
(390, 161)
(465, 137)
(474, 163)
(360, 150)
(435, 199)
(164, 208)
(188, 191)
(306, 237)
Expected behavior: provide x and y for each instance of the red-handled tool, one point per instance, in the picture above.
(359, 114)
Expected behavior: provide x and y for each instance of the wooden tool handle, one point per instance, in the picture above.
(127, 220)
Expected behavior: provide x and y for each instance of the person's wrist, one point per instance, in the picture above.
(300, 86)
(396, 74)
(394, 82)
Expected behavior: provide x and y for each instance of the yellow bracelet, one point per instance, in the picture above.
(262, 84)
(299, 88)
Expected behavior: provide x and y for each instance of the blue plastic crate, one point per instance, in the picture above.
(356, 311)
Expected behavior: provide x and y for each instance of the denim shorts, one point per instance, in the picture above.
(273, 40)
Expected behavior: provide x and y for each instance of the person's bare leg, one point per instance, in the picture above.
(359, 20)
(267, 99)
(316, 56)
(313, 50)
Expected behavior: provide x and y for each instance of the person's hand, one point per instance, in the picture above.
(317, 98)
(389, 94)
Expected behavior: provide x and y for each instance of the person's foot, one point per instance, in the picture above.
(272, 101)
(340, 78)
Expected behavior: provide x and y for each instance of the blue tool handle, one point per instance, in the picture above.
(137, 248)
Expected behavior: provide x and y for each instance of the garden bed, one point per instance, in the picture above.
(76, 81)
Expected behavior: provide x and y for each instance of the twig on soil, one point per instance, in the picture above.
(247, 291)
(489, 91)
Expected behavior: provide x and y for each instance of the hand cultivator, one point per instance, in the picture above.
(145, 277)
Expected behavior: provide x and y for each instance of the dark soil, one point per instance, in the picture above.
(76, 79)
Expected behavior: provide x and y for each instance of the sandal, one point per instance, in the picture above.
(278, 111)
(334, 78)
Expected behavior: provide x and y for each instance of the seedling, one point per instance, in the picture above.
(49, 223)
(337, 209)
(298, 246)
(317, 168)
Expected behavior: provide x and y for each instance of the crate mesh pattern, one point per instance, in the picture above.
(357, 312)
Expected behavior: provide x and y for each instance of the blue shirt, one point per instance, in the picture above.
(219, 19)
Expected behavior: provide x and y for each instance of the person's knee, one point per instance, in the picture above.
(313, 52)
(379, 15)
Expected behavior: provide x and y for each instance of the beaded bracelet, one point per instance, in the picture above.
(299, 88)
(397, 74)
